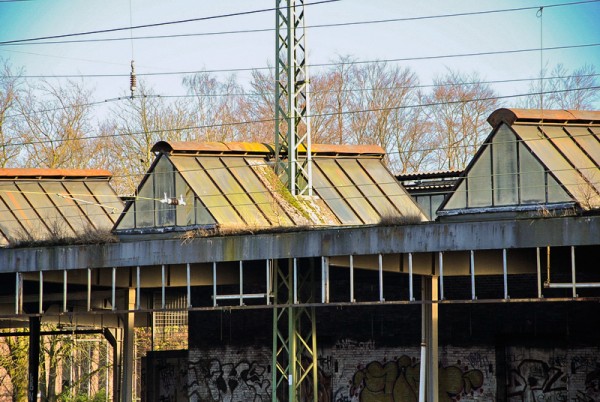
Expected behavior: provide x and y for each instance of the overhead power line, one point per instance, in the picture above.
(349, 112)
(45, 41)
(313, 92)
(246, 69)
(156, 24)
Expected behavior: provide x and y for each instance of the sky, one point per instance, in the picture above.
(560, 26)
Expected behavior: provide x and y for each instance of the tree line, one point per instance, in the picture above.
(421, 127)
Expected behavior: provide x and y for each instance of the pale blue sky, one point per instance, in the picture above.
(562, 26)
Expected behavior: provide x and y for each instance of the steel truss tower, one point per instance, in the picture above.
(292, 106)
(294, 333)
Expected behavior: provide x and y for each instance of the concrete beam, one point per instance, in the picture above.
(426, 237)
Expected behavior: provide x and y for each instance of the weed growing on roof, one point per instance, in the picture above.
(57, 235)
(391, 219)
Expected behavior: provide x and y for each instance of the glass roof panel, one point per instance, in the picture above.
(570, 149)
(46, 210)
(78, 192)
(589, 142)
(348, 189)
(554, 161)
(23, 211)
(255, 188)
(390, 186)
(332, 197)
(366, 185)
(208, 193)
(9, 225)
(232, 189)
(106, 196)
(67, 206)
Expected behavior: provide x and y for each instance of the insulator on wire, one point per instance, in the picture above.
(132, 79)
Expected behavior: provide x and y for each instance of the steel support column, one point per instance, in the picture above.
(294, 333)
(292, 106)
(429, 329)
(34, 358)
(128, 344)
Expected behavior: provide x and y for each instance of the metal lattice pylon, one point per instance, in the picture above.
(295, 364)
(292, 106)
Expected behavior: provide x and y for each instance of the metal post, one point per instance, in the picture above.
(295, 283)
(138, 293)
(89, 289)
(241, 283)
(18, 293)
(410, 278)
(214, 284)
(539, 272)
(473, 297)
(505, 271)
(352, 300)
(163, 303)
(573, 276)
(34, 358)
(269, 290)
(325, 279)
(65, 291)
(114, 288)
(441, 263)
(380, 261)
(41, 296)
(188, 281)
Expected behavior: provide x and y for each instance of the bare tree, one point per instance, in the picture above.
(55, 125)
(459, 106)
(9, 92)
(561, 89)
(132, 130)
(217, 106)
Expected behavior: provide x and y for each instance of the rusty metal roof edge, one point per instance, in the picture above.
(511, 116)
(42, 173)
(238, 147)
(175, 147)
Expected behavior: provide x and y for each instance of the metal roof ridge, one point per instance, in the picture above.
(47, 172)
(511, 116)
(198, 147)
(175, 147)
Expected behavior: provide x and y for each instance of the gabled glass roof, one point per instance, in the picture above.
(37, 204)
(235, 184)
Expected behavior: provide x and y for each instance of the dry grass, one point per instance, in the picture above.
(58, 236)
(399, 220)
(237, 229)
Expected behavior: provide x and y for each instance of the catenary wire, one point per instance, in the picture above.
(313, 92)
(267, 68)
(43, 41)
(349, 112)
(158, 24)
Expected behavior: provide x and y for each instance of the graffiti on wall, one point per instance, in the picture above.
(549, 380)
(398, 381)
(214, 381)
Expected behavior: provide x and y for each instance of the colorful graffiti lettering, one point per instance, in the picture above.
(398, 381)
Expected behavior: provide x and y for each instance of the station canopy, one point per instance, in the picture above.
(41, 204)
(534, 161)
(202, 185)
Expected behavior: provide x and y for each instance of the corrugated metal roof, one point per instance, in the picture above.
(37, 204)
(234, 183)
